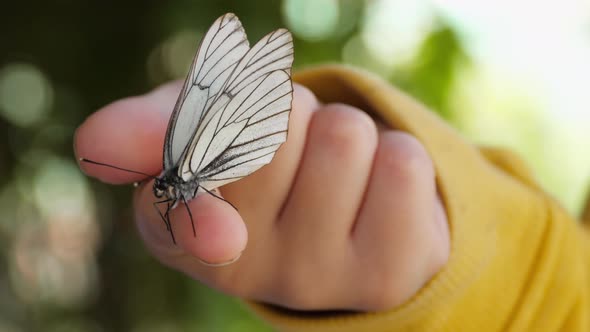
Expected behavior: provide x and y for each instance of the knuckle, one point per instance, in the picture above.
(403, 156)
(343, 129)
(303, 98)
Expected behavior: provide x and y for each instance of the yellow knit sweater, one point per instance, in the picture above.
(518, 261)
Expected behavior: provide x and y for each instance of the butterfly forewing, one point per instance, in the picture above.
(222, 47)
(248, 120)
(273, 52)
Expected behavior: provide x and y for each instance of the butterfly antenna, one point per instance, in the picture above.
(115, 167)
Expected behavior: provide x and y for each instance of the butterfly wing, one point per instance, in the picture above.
(273, 52)
(219, 52)
(249, 120)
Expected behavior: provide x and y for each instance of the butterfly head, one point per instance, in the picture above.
(163, 188)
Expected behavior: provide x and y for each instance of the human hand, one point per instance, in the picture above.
(346, 216)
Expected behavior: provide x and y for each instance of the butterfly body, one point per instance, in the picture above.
(173, 187)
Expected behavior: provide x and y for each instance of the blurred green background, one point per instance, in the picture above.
(70, 259)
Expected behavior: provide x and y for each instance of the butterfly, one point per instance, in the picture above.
(230, 118)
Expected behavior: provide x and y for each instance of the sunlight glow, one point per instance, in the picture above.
(543, 48)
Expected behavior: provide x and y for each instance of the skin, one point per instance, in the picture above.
(346, 208)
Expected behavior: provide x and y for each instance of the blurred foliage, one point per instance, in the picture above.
(83, 55)
(432, 75)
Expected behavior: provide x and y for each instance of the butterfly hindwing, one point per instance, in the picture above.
(254, 121)
(262, 121)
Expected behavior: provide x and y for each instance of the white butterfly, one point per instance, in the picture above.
(231, 116)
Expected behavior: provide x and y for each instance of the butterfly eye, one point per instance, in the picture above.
(158, 191)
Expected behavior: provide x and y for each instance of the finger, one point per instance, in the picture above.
(270, 186)
(334, 171)
(128, 133)
(220, 234)
(397, 227)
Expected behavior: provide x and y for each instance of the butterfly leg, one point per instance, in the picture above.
(190, 215)
(165, 217)
(218, 197)
(155, 204)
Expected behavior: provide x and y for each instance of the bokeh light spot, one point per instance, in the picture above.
(25, 94)
(312, 20)
(355, 52)
(171, 59)
(60, 189)
(393, 30)
(53, 260)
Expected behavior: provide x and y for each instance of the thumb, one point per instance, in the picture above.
(219, 235)
(124, 134)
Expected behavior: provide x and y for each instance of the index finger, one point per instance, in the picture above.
(129, 134)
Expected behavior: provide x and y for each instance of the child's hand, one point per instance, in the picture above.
(346, 216)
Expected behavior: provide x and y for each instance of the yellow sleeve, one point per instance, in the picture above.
(518, 261)
(586, 213)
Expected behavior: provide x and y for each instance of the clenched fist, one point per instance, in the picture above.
(346, 216)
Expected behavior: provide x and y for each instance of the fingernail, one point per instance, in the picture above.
(233, 260)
